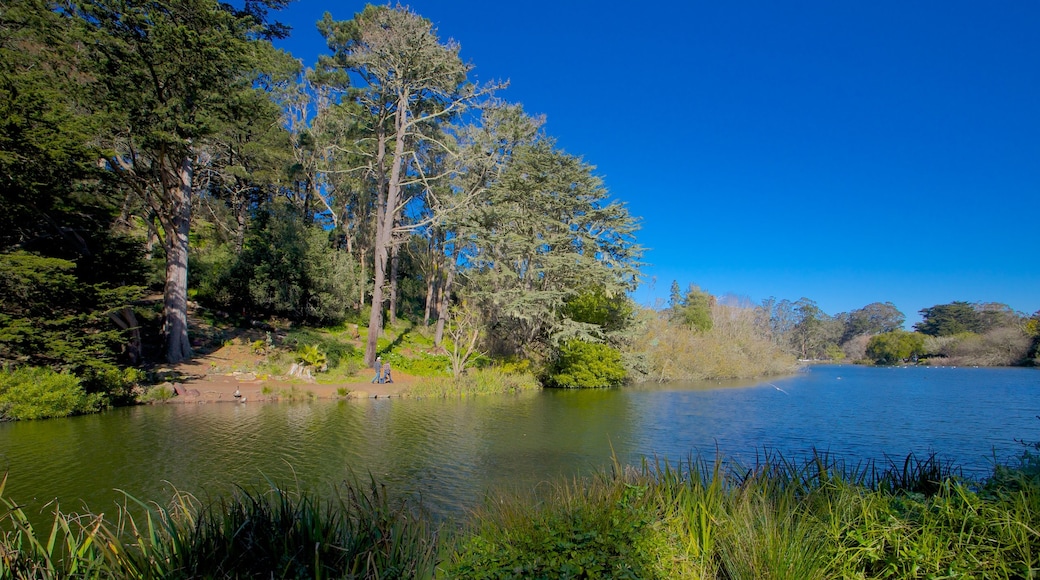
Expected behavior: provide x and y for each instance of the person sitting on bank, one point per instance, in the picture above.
(378, 367)
(386, 374)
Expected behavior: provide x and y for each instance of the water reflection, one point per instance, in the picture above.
(453, 452)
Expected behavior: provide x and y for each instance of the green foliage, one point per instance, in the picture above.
(834, 352)
(40, 393)
(157, 394)
(581, 364)
(312, 356)
(332, 346)
(602, 530)
(485, 381)
(422, 364)
(593, 306)
(50, 317)
(895, 347)
(949, 319)
(874, 318)
(776, 519)
(694, 309)
(287, 268)
(545, 233)
(735, 347)
(280, 533)
(44, 135)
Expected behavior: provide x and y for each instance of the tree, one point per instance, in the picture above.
(874, 318)
(544, 233)
(163, 75)
(694, 309)
(485, 151)
(44, 137)
(64, 261)
(813, 331)
(410, 79)
(896, 346)
(948, 319)
(465, 331)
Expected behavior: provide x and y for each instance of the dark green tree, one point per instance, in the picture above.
(949, 319)
(163, 75)
(65, 262)
(544, 233)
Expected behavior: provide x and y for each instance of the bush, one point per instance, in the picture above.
(600, 529)
(896, 346)
(581, 364)
(735, 347)
(487, 381)
(40, 393)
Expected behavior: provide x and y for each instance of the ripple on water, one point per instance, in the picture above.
(453, 452)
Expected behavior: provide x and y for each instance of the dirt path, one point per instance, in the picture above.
(211, 378)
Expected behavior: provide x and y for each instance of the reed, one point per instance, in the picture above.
(489, 381)
(777, 518)
(276, 532)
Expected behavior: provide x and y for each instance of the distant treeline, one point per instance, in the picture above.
(695, 326)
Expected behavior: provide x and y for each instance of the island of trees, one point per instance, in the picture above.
(164, 163)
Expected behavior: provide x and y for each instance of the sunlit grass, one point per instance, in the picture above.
(476, 382)
(816, 518)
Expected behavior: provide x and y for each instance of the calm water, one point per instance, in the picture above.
(453, 452)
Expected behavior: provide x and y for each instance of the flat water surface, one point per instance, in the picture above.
(453, 452)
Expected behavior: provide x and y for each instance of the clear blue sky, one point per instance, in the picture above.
(848, 152)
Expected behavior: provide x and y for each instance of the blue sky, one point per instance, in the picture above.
(847, 152)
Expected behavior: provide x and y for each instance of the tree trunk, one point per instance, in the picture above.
(395, 264)
(241, 208)
(445, 300)
(175, 295)
(385, 220)
(375, 317)
(430, 283)
(362, 279)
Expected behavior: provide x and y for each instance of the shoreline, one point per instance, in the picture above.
(220, 388)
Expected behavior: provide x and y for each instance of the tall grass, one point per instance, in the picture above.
(276, 532)
(777, 519)
(815, 518)
(486, 381)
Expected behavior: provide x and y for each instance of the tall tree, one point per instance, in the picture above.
(485, 151)
(44, 137)
(545, 232)
(408, 79)
(874, 318)
(164, 72)
(948, 319)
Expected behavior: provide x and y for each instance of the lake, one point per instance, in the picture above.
(452, 452)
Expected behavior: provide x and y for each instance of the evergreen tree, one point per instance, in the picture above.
(164, 74)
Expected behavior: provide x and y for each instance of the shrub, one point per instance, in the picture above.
(896, 346)
(40, 393)
(489, 381)
(590, 529)
(157, 394)
(734, 348)
(581, 364)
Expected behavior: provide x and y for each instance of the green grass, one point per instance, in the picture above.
(476, 382)
(776, 519)
(359, 533)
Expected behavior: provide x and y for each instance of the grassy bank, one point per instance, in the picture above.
(778, 519)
